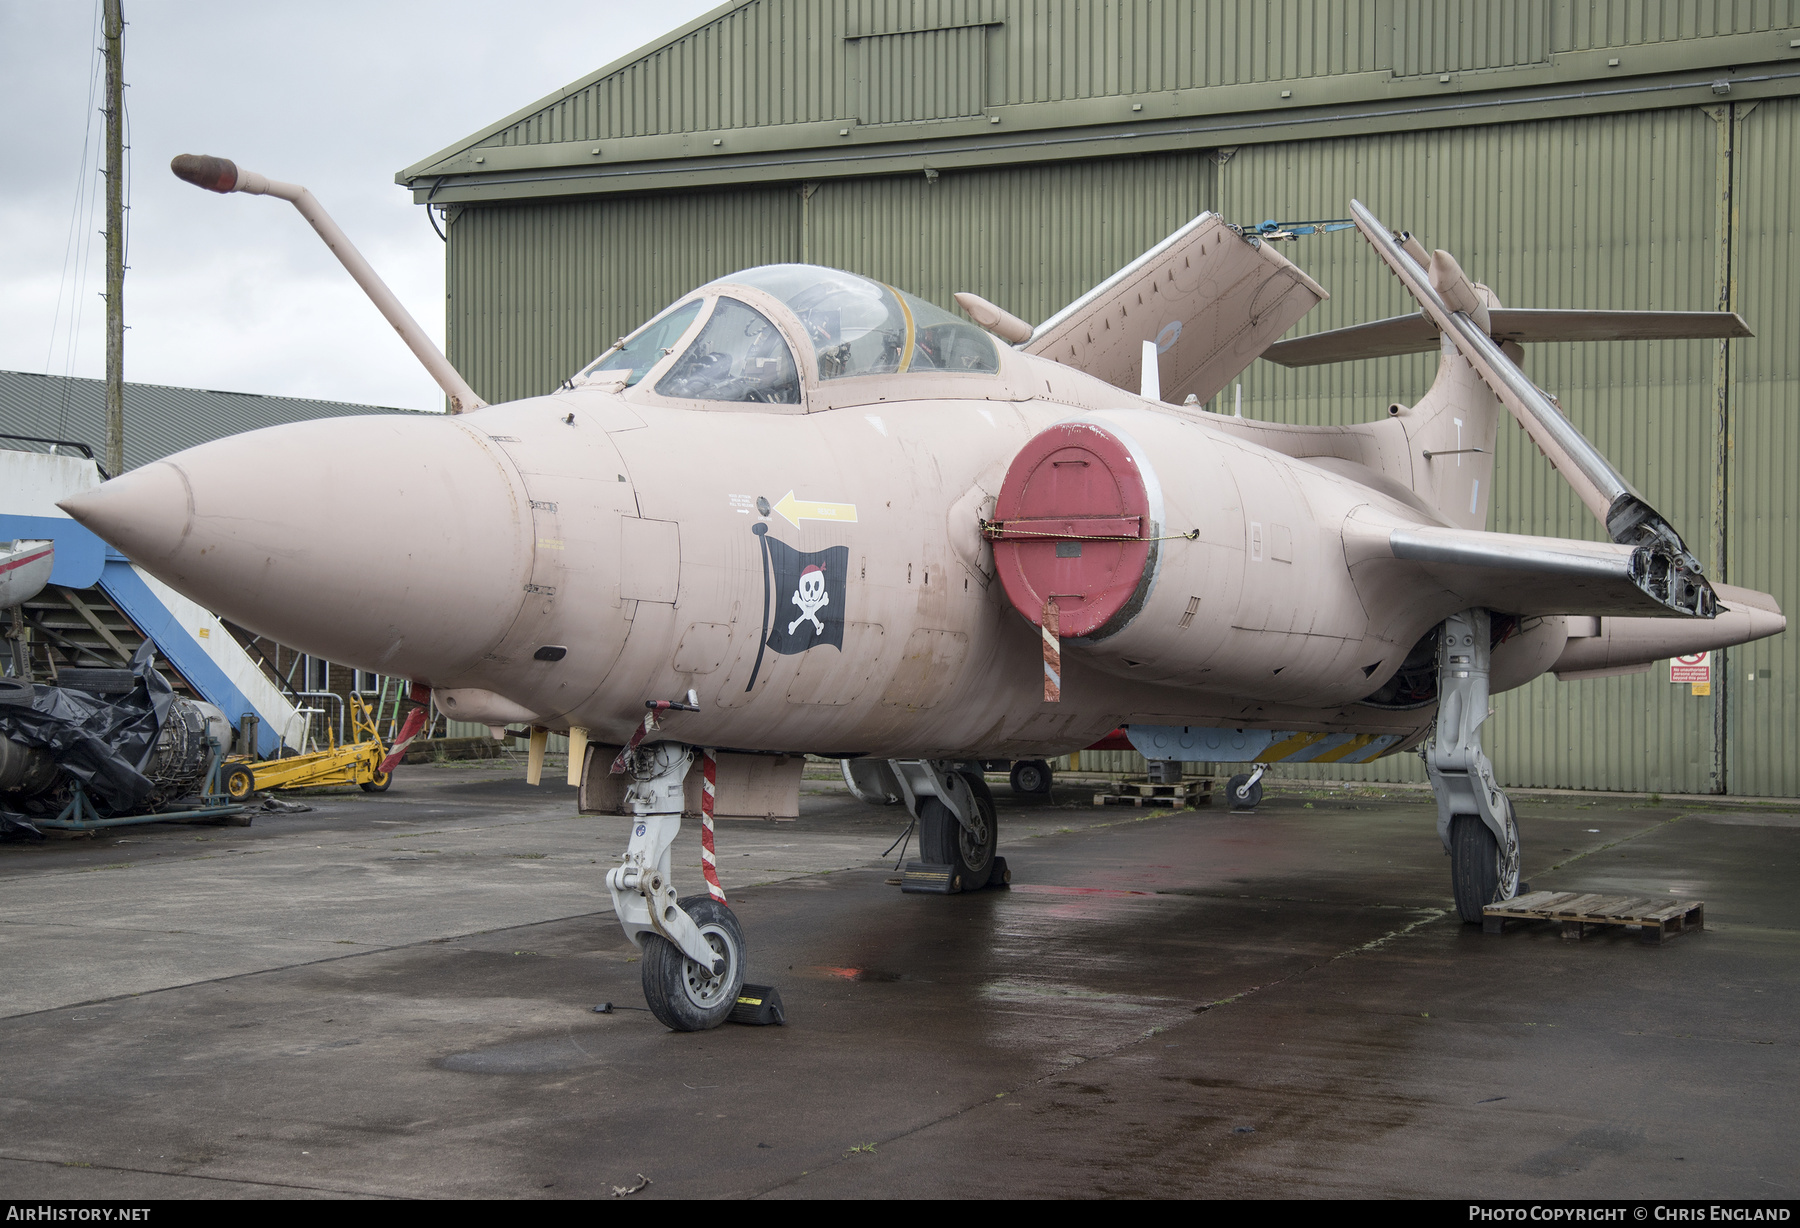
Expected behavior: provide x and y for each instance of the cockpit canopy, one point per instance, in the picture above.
(850, 325)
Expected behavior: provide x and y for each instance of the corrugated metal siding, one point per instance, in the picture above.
(1430, 37)
(787, 61)
(159, 421)
(926, 74)
(1030, 239)
(537, 291)
(763, 64)
(1624, 23)
(1058, 50)
(1613, 212)
(1762, 504)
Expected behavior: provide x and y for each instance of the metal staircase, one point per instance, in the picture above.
(84, 628)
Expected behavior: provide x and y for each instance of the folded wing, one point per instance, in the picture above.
(1210, 299)
(1507, 572)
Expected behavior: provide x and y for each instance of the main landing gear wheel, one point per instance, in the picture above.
(1481, 872)
(682, 994)
(1243, 794)
(240, 782)
(968, 853)
(1031, 777)
(379, 784)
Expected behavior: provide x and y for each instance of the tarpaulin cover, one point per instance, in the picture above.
(104, 742)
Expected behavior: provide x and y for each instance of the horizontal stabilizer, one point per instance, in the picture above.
(1414, 334)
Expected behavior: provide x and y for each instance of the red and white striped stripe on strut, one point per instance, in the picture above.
(708, 862)
(622, 760)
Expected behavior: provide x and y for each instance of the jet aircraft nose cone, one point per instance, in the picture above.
(393, 543)
(144, 513)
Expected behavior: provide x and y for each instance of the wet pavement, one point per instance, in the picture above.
(391, 996)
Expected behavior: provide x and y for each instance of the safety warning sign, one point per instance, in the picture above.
(1695, 668)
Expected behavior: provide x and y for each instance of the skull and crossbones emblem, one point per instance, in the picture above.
(809, 597)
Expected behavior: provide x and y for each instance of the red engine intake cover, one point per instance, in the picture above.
(1067, 487)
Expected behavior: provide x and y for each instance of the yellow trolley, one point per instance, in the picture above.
(353, 763)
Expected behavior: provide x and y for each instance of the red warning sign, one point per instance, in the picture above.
(1695, 668)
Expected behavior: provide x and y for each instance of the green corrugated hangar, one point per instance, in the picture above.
(1571, 153)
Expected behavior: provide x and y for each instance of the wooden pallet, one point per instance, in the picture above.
(1196, 792)
(1659, 919)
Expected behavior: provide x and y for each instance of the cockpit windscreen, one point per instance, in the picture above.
(857, 326)
(646, 347)
(738, 356)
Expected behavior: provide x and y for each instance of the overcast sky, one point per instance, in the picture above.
(236, 292)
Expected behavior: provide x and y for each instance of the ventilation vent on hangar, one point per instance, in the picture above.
(922, 74)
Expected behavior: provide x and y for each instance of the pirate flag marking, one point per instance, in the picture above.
(803, 597)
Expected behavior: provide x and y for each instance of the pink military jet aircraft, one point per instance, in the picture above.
(805, 511)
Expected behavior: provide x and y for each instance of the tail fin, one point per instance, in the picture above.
(1449, 438)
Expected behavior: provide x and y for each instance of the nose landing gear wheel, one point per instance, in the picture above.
(684, 996)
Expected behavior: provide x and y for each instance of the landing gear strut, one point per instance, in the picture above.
(958, 827)
(1475, 819)
(693, 948)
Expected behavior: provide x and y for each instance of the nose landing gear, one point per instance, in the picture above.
(693, 948)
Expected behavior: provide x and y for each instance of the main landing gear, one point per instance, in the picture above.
(693, 962)
(1475, 819)
(958, 827)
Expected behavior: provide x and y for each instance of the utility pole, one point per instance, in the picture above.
(113, 26)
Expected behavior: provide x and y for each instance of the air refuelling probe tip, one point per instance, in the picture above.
(205, 171)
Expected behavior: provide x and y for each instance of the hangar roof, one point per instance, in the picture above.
(159, 421)
(760, 90)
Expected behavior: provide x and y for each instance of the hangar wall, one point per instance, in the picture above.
(1682, 207)
(538, 290)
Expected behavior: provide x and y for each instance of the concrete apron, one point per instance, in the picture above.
(389, 996)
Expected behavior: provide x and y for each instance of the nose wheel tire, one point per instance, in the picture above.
(1481, 872)
(968, 851)
(684, 996)
(240, 782)
(1031, 777)
(1241, 794)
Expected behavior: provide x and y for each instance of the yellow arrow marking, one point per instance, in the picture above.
(795, 510)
